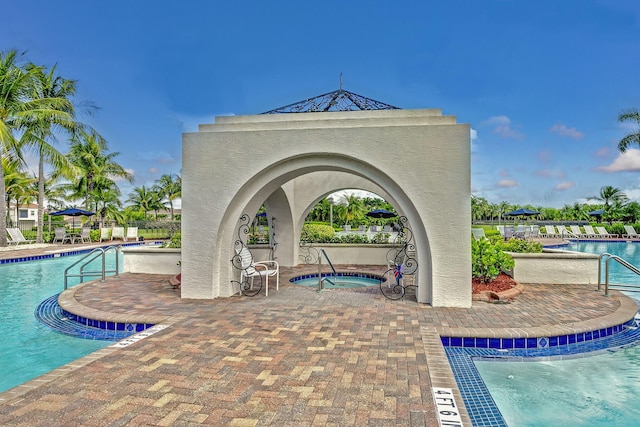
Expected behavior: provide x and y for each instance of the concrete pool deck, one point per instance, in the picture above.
(297, 357)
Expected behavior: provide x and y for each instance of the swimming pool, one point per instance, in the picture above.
(596, 390)
(340, 280)
(28, 348)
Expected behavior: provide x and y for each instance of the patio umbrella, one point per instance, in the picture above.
(72, 212)
(523, 212)
(381, 213)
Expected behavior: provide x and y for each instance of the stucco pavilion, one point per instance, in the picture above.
(289, 158)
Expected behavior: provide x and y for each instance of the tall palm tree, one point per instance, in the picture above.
(94, 168)
(631, 115)
(352, 207)
(613, 199)
(170, 188)
(40, 133)
(15, 107)
(142, 199)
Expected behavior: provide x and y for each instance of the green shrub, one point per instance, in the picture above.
(488, 260)
(175, 241)
(519, 245)
(319, 233)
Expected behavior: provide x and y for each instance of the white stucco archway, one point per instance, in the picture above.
(418, 160)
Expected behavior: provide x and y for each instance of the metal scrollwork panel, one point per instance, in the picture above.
(248, 285)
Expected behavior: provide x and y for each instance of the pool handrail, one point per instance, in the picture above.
(102, 273)
(320, 278)
(624, 263)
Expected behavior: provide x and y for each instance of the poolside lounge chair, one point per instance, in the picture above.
(575, 229)
(117, 233)
(132, 233)
(251, 269)
(590, 232)
(564, 232)
(105, 234)
(60, 235)
(478, 233)
(605, 234)
(631, 232)
(16, 236)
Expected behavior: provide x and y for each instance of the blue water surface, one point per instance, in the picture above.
(29, 349)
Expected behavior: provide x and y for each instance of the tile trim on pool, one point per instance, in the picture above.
(339, 274)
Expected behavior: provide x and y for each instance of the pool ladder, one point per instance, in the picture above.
(627, 265)
(102, 273)
(321, 279)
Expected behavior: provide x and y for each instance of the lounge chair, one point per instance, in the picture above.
(605, 234)
(575, 229)
(60, 236)
(590, 232)
(16, 237)
(105, 234)
(132, 233)
(117, 233)
(478, 233)
(631, 232)
(563, 232)
(549, 231)
(251, 269)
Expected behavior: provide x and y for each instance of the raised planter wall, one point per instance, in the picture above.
(556, 267)
(150, 260)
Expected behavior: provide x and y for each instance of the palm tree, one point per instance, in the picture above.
(15, 108)
(613, 199)
(170, 188)
(142, 199)
(40, 133)
(94, 168)
(631, 115)
(352, 208)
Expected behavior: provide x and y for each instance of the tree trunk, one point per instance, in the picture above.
(40, 225)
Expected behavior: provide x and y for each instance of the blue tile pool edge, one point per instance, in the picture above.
(481, 408)
(340, 274)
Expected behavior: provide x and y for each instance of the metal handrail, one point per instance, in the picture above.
(97, 252)
(627, 265)
(320, 278)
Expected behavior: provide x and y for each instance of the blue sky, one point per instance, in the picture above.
(541, 83)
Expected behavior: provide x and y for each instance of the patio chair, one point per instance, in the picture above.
(105, 234)
(605, 234)
(60, 235)
(117, 233)
(631, 232)
(16, 236)
(251, 269)
(132, 233)
(563, 232)
(85, 235)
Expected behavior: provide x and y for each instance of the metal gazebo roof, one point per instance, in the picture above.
(338, 100)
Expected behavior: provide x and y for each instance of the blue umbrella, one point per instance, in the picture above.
(598, 212)
(381, 213)
(523, 212)
(73, 212)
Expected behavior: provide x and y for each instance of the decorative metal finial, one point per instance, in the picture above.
(340, 81)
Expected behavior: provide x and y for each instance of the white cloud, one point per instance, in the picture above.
(508, 183)
(502, 127)
(563, 130)
(629, 161)
(563, 186)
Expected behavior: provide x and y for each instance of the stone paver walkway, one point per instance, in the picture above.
(295, 358)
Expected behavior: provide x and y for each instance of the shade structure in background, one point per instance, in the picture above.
(72, 212)
(597, 213)
(523, 212)
(381, 213)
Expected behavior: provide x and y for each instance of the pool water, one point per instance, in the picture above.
(341, 281)
(597, 390)
(28, 348)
